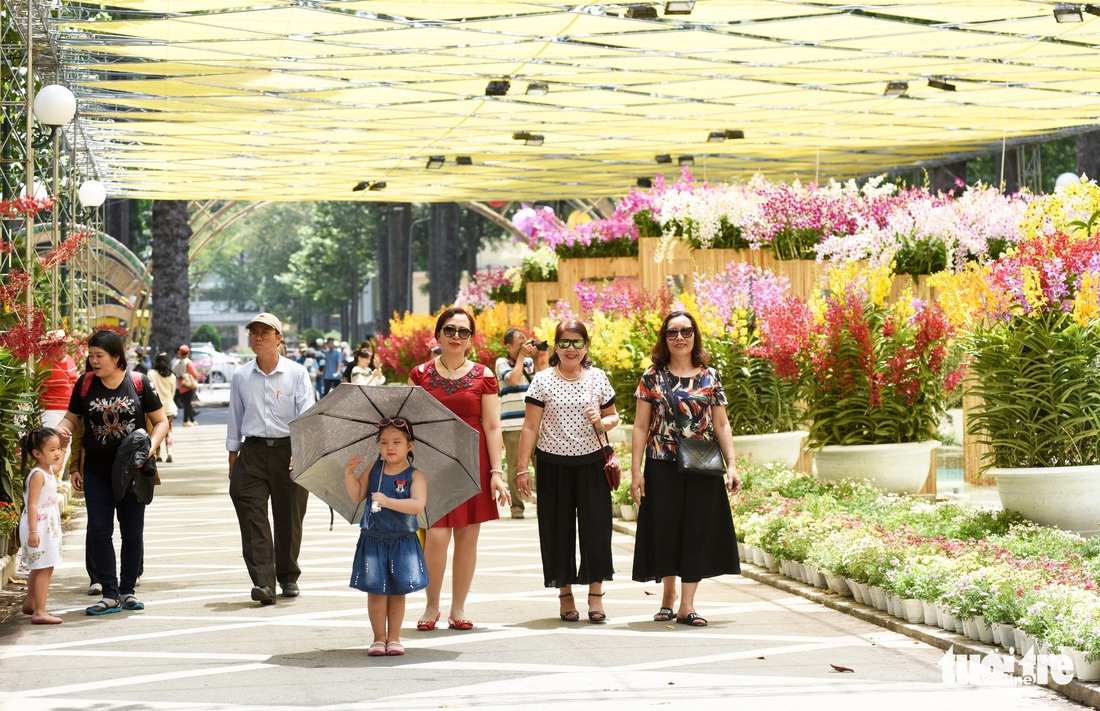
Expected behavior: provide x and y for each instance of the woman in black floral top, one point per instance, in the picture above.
(684, 525)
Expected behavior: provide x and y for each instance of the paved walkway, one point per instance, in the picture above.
(201, 643)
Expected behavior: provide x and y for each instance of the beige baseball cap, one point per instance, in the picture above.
(267, 320)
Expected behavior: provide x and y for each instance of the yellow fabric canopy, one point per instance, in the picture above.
(285, 100)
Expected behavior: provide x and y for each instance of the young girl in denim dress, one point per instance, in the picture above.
(389, 561)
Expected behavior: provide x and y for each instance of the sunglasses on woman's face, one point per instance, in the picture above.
(673, 333)
(452, 331)
(562, 344)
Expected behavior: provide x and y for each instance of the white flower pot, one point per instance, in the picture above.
(878, 597)
(857, 591)
(741, 552)
(770, 564)
(866, 590)
(947, 620)
(931, 613)
(985, 632)
(897, 607)
(970, 629)
(895, 468)
(1002, 635)
(1067, 497)
(758, 557)
(1083, 669)
(781, 447)
(1021, 640)
(914, 610)
(819, 581)
(629, 512)
(838, 585)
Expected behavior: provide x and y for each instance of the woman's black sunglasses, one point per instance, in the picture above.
(451, 332)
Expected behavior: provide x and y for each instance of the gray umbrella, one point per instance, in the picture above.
(345, 423)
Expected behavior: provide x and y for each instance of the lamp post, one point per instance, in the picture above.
(55, 106)
(91, 195)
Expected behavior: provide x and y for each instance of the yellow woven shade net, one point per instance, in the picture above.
(283, 100)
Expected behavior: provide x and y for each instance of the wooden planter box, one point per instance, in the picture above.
(573, 271)
(713, 261)
(541, 297)
(676, 267)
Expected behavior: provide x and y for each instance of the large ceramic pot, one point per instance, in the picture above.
(895, 468)
(1067, 497)
(781, 447)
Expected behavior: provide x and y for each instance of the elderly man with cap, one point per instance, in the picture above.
(264, 396)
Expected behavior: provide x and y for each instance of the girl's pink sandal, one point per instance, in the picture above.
(378, 649)
(394, 649)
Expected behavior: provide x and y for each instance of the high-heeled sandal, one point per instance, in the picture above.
(596, 616)
(570, 615)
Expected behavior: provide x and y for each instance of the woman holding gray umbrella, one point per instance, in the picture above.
(469, 390)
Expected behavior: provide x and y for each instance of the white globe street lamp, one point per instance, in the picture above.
(40, 192)
(1065, 180)
(92, 193)
(54, 105)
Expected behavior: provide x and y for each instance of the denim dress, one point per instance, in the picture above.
(388, 558)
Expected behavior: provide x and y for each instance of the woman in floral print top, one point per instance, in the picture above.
(684, 525)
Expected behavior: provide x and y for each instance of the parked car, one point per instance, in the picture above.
(214, 366)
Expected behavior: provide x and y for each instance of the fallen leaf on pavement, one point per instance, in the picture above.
(842, 669)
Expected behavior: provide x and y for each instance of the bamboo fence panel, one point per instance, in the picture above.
(541, 297)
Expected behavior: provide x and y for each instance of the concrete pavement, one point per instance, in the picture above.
(201, 643)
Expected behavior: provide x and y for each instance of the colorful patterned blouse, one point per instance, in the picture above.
(693, 398)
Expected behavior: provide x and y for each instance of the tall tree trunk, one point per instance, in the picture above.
(399, 273)
(171, 315)
(1009, 170)
(475, 230)
(1088, 154)
(943, 177)
(383, 309)
(443, 264)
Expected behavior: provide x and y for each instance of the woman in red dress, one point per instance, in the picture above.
(469, 390)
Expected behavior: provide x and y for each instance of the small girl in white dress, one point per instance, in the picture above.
(40, 524)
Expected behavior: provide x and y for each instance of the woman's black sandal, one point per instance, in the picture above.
(596, 616)
(664, 615)
(571, 615)
(692, 619)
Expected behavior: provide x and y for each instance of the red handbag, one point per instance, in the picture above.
(612, 467)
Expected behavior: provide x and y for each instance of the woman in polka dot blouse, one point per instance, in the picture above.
(565, 405)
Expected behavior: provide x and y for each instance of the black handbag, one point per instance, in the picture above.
(699, 456)
(695, 456)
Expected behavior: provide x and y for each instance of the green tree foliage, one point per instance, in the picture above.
(207, 333)
(337, 256)
(241, 267)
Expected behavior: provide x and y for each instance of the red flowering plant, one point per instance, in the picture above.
(412, 338)
(874, 372)
(753, 329)
(1033, 320)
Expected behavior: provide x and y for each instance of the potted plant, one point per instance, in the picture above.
(1034, 344)
(752, 328)
(620, 498)
(876, 379)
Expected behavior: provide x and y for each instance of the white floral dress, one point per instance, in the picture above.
(48, 552)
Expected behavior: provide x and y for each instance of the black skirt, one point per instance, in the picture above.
(685, 528)
(574, 501)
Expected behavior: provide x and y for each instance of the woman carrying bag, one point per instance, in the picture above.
(567, 405)
(685, 528)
